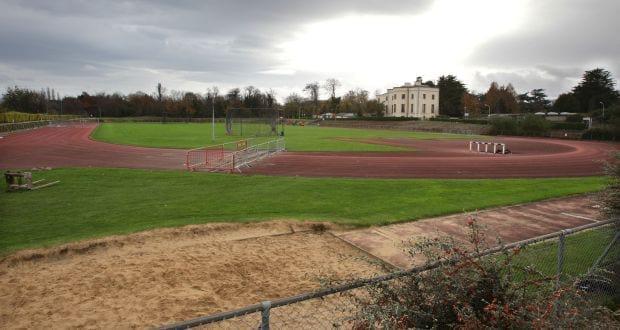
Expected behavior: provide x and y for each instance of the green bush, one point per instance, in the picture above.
(529, 125)
(607, 133)
(574, 119)
(570, 125)
(504, 126)
(532, 125)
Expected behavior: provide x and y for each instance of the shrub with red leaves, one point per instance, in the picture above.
(476, 292)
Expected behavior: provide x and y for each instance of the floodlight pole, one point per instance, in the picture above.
(213, 120)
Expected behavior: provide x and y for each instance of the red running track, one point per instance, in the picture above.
(530, 158)
(72, 147)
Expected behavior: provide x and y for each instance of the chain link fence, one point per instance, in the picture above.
(585, 255)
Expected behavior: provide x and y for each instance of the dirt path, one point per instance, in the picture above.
(72, 147)
(512, 224)
(163, 276)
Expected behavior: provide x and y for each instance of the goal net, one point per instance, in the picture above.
(254, 122)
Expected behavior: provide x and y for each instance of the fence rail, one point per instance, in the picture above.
(231, 156)
(26, 125)
(324, 302)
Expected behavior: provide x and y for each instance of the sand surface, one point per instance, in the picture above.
(168, 275)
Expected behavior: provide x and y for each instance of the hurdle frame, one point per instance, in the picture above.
(486, 146)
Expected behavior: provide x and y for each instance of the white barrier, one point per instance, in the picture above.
(494, 150)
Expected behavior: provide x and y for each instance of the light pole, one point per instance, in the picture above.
(488, 106)
(213, 119)
(603, 104)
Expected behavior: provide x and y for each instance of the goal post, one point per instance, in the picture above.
(254, 122)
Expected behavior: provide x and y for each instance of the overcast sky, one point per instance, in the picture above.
(127, 46)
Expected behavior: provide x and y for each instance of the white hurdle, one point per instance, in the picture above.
(495, 147)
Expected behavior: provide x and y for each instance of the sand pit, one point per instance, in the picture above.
(169, 275)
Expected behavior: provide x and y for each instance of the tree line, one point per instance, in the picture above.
(595, 91)
(159, 103)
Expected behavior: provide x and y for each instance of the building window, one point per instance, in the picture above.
(412, 108)
(424, 96)
(402, 96)
(433, 96)
(432, 108)
(423, 108)
(402, 107)
(412, 96)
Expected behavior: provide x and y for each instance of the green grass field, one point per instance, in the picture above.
(581, 250)
(91, 203)
(298, 138)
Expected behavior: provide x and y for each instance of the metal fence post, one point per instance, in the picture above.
(561, 249)
(604, 254)
(264, 322)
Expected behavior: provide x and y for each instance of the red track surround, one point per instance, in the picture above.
(531, 157)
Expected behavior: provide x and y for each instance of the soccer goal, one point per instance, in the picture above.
(254, 122)
(232, 156)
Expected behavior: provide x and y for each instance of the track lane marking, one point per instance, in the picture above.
(579, 217)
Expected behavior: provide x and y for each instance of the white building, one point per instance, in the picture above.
(417, 100)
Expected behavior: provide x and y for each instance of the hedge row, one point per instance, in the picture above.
(602, 133)
(569, 125)
(379, 118)
(459, 120)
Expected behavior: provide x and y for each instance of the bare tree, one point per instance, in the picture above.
(271, 98)
(160, 92)
(292, 105)
(313, 92)
(331, 85)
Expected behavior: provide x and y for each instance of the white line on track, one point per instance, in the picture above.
(579, 216)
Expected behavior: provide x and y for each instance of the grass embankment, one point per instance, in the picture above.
(91, 203)
(298, 138)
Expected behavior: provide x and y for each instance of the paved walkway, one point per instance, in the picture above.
(511, 224)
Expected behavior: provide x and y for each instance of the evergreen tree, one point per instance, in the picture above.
(596, 86)
(566, 102)
(451, 92)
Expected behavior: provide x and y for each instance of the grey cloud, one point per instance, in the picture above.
(526, 80)
(215, 38)
(127, 45)
(559, 37)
